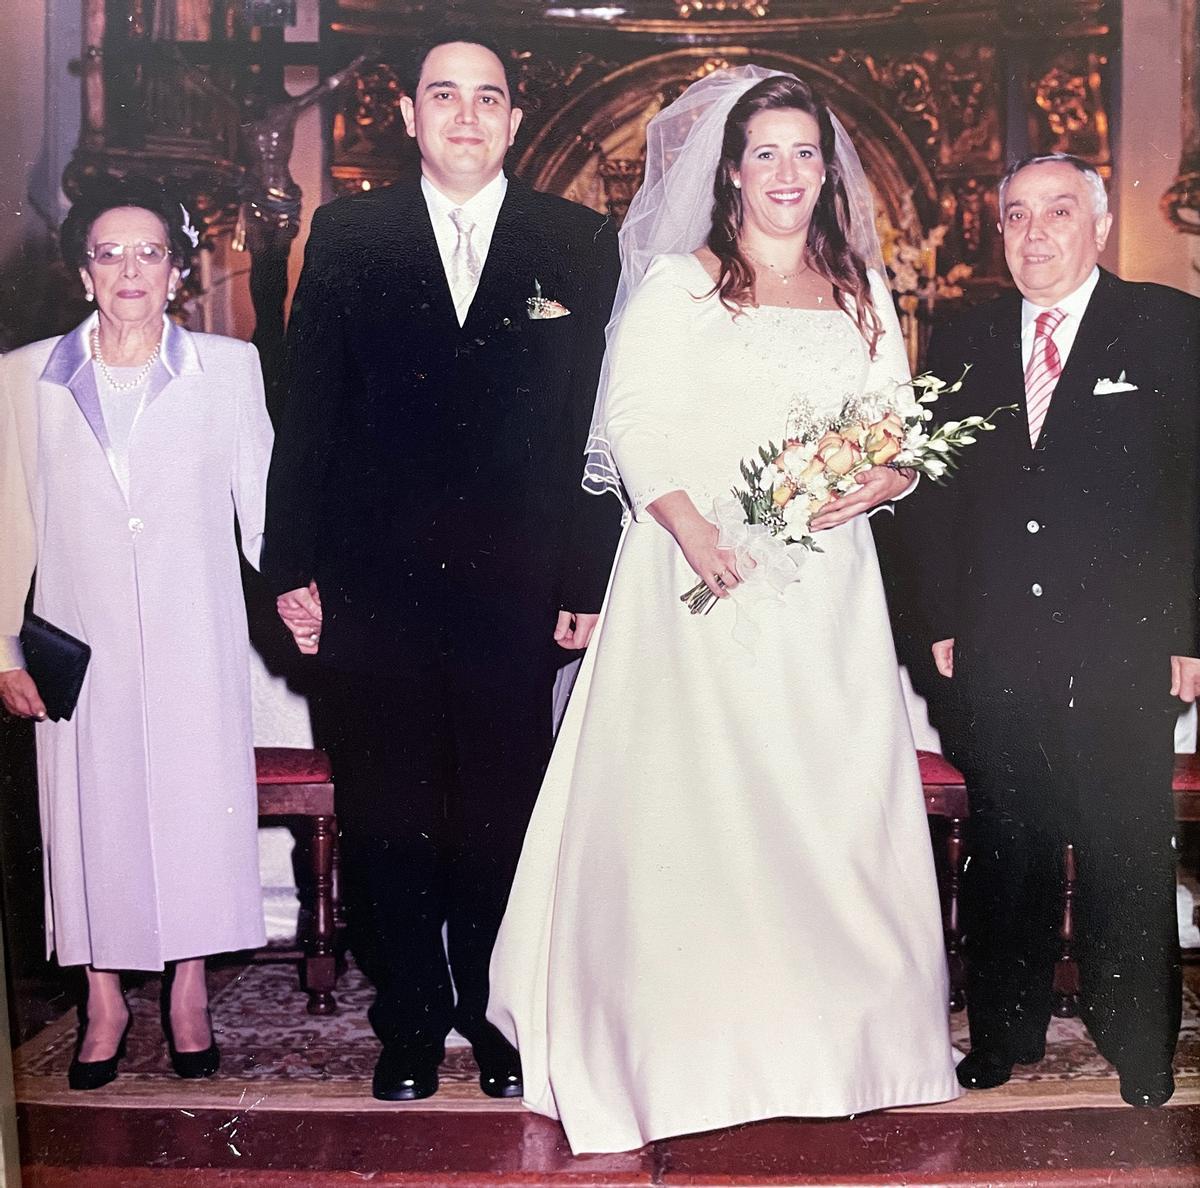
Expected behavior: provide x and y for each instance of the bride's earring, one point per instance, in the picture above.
(89, 295)
(737, 185)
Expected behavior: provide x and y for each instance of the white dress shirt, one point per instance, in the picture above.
(482, 209)
(1074, 305)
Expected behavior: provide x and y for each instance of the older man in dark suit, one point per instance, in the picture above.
(1064, 606)
(431, 541)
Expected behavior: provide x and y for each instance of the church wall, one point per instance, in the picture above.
(39, 96)
(22, 81)
(1147, 150)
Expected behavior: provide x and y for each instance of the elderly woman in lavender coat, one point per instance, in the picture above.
(126, 448)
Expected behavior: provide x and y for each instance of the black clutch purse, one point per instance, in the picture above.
(57, 662)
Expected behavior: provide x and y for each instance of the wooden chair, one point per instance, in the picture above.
(946, 797)
(1187, 799)
(297, 782)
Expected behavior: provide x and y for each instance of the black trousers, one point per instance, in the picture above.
(436, 772)
(1097, 774)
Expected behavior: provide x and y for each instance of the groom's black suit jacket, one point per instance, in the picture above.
(426, 475)
(1077, 556)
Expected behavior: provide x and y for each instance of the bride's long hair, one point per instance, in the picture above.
(828, 249)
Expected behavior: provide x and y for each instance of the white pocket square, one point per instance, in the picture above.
(1107, 387)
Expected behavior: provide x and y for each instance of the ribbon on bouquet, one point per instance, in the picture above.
(768, 565)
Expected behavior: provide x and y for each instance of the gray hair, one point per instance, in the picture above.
(1091, 176)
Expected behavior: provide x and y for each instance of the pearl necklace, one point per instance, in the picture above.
(110, 379)
(784, 277)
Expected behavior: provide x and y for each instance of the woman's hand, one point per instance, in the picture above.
(20, 695)
(876, 485)
(697, 539)
(300, 610)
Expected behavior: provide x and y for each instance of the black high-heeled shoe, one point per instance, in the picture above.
(95, 1074)
(191, 1066)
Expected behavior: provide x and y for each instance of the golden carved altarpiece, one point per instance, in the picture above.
(936, 94)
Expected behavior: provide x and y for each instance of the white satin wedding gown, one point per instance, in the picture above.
(726, 906)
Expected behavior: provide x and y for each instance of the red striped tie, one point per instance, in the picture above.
(1045, 366)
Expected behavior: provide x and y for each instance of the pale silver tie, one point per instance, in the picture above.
(465, 265)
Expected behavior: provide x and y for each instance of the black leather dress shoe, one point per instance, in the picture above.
(983, 1069)
(402, 1076)
(501, 1077)
(1147, 1091)
(94, 1074)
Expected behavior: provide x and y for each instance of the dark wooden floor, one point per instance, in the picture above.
(107, 1147)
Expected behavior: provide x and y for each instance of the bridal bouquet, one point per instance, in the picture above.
(767, 521)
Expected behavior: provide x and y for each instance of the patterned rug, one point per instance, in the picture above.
(275, 1056)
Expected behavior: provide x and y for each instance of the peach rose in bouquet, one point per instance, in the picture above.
(884, 440)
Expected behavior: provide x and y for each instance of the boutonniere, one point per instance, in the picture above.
(1107, 387)
(540, 308)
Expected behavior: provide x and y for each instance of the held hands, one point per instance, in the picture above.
(300, 611)
(876, 485)
(20, 696)
(1185, 678)
(574, 630)
(943, 657)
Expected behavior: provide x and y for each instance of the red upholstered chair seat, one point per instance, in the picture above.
(1187, 773)
(935, 769)
(291, 765)
(1187, 790)
(945, 788)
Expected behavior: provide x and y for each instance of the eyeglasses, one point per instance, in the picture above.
(144, 252)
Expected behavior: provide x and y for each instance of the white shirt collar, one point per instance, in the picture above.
(483, 207)
(1074, 305)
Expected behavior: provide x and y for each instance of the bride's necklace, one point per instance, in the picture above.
(110, 379)
(784, 277)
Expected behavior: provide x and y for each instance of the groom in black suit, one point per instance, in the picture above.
(431, 541)
(1063, 603)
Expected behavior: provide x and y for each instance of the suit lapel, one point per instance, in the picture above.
(68, 365)
(427, 262)
(503, 284)
(179, 356)
(1007, 383)
(408, 249)
(1101, 326)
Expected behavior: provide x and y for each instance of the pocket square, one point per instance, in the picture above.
(1107, 387)
(541, 308)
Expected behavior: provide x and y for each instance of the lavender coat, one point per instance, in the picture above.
(147, 794)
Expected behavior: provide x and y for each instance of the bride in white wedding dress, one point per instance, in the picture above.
(726, 907)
